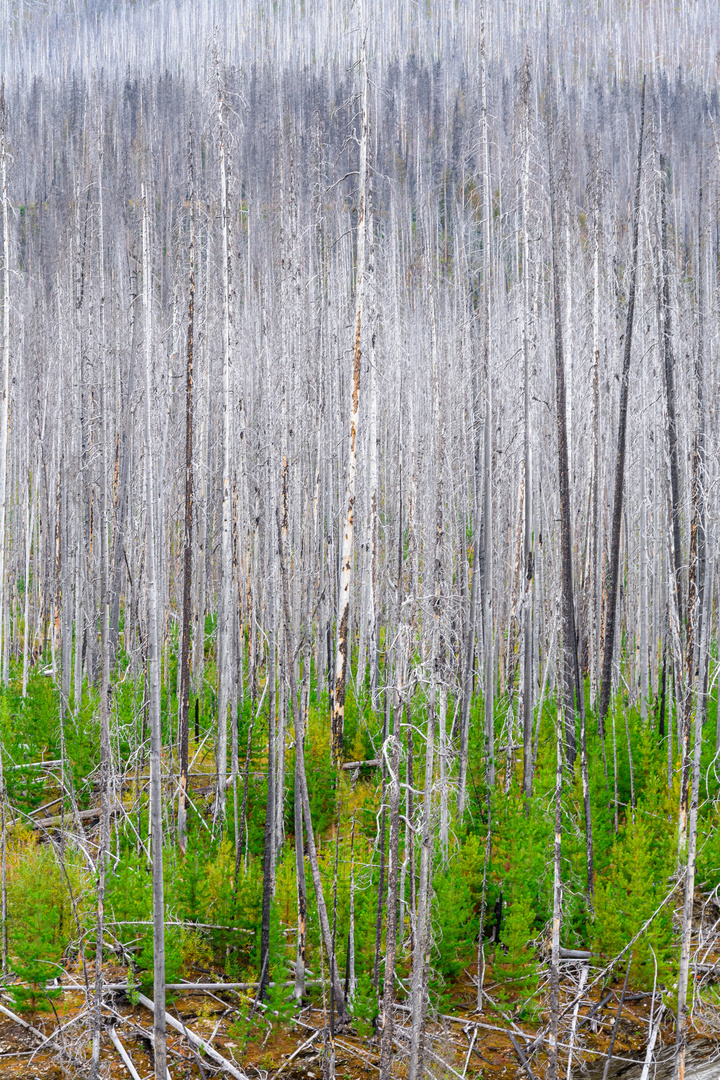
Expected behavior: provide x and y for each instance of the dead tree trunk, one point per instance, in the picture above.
(611, 608)
(303, 789)
(160, 1043)
(184, 710)
(344, 643)
(568, 609)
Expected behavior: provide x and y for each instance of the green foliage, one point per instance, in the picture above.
(40, 921)
(364, 1004)
(516, 967)
(174, 953)
(228, 907)
(278, 998)
(455, 926)
(321, 776)
(189, 887)
(626, 896)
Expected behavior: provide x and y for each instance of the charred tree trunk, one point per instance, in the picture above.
(611, 608)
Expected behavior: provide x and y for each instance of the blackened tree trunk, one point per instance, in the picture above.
(610, 622)
(568, 609)
(669, 372)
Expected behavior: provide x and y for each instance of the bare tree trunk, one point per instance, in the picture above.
(299, 990)
(160, 1043)
(3, 472)
(697, 539)
(687, 923)
(105, 749)
(418, 996)
(489, 664)
(184, 708)
(596, 600)
(121, 497)
(609, 643)
(5, 392)
(669, 371)
(528, 553)
(381, 845)
(392, 908)
(303, 790)
(569, 636)
(557, 907)
(225, 622)
(344, 642)
(269, 852)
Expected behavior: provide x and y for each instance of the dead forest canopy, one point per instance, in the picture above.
(359, 512)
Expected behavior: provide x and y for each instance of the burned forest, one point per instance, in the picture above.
(359, 539)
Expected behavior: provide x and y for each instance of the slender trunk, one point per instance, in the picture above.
(568, 681)
(302, 784)
(5, 391)
(350, 966)
(669, 373)
(269, 852)
(489, 687)
(687, 922)
(184, 709)
(596, 599)
(611, 607)
(418, 995)
(299, 990)
(381, 845)
(105, 750)
(160, 1043)
(344, 643)
(121, 496)
(557, 909)
(392, 910)
(468, 667)
(697, 542)
(528, 554)
(225, 622)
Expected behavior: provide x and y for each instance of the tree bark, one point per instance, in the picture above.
(304, 797)
(160, 1041)
(344, 637)
(568, 610)
(609, 643)
(225, 621)
(392, 910)
(184, 708)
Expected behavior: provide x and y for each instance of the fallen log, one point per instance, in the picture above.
(303, 1046)
(92, 814)
(195, 986)
(127, 1060)
(23, 1023)
(195, 1040)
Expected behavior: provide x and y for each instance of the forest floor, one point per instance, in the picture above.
(462, 1044)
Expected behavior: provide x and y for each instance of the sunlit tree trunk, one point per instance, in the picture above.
(344, 637)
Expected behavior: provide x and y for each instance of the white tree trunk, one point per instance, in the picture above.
(343, 630)
(156, 830)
